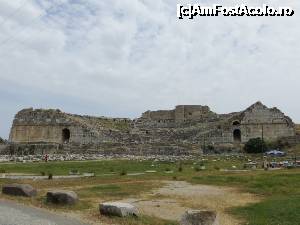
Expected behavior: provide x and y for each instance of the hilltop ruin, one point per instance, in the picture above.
(187, 129)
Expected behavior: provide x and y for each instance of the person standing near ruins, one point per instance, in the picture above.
(46, 158)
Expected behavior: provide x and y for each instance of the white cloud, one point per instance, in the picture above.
(122, 57)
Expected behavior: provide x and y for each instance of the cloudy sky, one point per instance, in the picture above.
(123, 57)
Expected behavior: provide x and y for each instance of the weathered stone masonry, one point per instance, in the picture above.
(54, 126)
(199, 124)
(184, 130)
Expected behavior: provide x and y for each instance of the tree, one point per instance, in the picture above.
(278, 144)
(255, 145)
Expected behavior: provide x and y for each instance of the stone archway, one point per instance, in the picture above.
(66, 134)
(237, 136)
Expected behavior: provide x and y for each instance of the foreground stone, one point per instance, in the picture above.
(118, 209)
(24, 190)
(62, 197)
(199, 217)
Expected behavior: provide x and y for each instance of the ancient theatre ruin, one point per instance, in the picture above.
(187, 129)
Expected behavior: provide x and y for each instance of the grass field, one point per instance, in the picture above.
(278, 190)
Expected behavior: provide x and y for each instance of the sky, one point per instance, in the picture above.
(119, 58)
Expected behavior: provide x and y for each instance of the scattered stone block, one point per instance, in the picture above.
(24, 190)
(151, 171)
(89, 174)
(199, 217)
(118, 209)
(62, 197)
(73, 172)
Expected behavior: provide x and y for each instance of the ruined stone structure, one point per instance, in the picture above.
(298, 129)
(180, 114)
(54, 126)
(187, 129)
(199, 124)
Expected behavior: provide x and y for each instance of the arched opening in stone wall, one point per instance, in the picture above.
(237, 135)
(66, 134)
(236, 123)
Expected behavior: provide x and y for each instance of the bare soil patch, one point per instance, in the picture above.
(172, 200)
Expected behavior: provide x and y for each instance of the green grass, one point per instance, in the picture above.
(277, 210)
(279, 190)
(117, 166)
(63, 168)
(263, 183)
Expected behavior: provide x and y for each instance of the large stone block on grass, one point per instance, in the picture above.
(24, 190)
(118, 209)
(199, 217)
(62, 197)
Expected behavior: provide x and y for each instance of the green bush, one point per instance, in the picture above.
(217, 168)
(1, 141)
(180, 168)
(255, 145)
(197, 168)
(123, 173)
(278, 144)
(50, 176)
(210, 147)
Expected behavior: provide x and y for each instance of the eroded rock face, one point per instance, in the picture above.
(24, 190)
(62, 197)
(118, 209)
(199, 217)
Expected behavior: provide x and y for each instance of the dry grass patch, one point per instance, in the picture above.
(170, 201)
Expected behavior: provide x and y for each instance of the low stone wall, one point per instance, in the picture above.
(31, 149)
(104, 148)
(82, 157)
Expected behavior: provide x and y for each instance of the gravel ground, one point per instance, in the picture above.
(15, 214)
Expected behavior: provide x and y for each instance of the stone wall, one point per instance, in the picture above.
(184, 130)
(54, 126)
(180, 114)
(102, 148)
(298, 129)
(36, 133)
(271, 124)
(160, 116)
(191, 112)
(198, 124)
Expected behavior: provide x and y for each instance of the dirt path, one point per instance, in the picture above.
(13, 213)
(171, 201)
